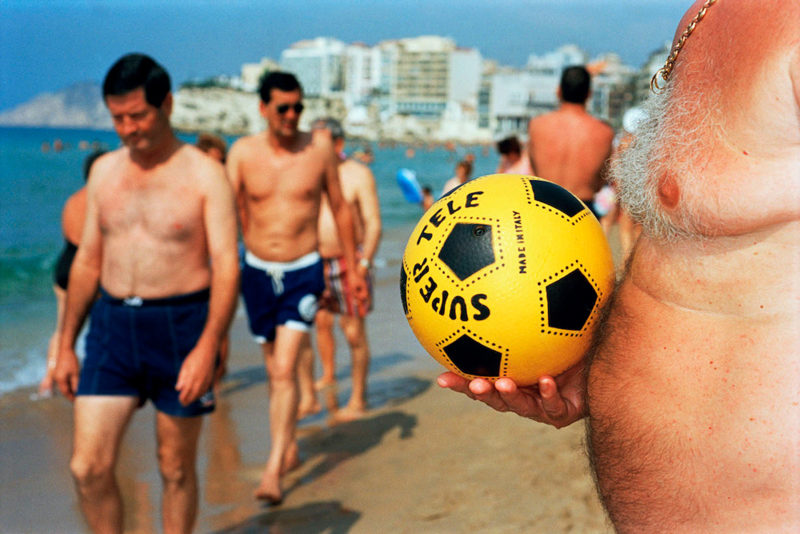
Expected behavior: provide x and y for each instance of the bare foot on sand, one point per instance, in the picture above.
(269, 490)
(324, 383)
(349, 413)
(310, 409)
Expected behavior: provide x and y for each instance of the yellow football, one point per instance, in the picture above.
(506, 276)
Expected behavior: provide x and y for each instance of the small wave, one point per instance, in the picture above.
(25, 276)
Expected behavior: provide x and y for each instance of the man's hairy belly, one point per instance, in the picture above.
(694, 419)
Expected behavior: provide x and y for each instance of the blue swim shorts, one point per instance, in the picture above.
(135, 348)
(281, 293)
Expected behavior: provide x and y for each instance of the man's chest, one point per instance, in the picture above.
(162, 210)
(296, 177)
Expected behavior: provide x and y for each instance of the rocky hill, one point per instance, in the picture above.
(215, 109)
(225, 111)
(78, 106)
(233, 112)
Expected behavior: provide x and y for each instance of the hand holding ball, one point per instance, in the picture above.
(506, 276)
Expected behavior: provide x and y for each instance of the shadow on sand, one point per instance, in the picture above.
(329, 517)
(323, 448)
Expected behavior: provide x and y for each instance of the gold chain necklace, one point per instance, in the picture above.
(666, 70)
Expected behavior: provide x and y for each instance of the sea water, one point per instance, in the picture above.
(36, 179)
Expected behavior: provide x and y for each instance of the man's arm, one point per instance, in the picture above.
(342, 216)
(369, 207)
(197, 371)
(84, 279)
(370, 215)
(234, 174)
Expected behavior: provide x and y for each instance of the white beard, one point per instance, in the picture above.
(668, 142)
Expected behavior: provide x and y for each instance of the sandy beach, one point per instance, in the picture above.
(423, 460)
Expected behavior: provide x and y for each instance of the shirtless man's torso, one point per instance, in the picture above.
(568, 146)
(693, 388)
(287, 182)
(694, 391)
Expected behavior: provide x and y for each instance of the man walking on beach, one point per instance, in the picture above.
(691, 390)
(159, 243)
(568, 146)
(361, 196)
(279, 177)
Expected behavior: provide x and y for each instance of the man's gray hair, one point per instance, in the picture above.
(330, 124)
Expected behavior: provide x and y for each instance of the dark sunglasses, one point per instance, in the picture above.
(298, 108)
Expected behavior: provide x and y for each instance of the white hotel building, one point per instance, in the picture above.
(427, 86)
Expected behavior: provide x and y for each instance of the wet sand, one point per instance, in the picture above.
(423, 460)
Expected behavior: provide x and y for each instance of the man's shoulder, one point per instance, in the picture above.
(544, 121)
(356, 169)
(197, 158)
(603, 128)
(196, 166)
(109, 165)
(356, 178)
(245, 142)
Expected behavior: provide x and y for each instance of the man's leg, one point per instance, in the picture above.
(177, 454)
(280, 358)
(326, 346)
(308, 404)
(356, 335)
(100, 422)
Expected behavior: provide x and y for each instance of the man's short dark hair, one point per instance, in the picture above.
(509, 145)
(133, 71)
(282, 81)
(575, 84)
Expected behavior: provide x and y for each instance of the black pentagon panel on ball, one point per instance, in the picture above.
(556, 197)
(473, 357)
(403, 298)
(468, 249)
(570, 301)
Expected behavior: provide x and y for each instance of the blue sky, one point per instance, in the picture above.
(46, 45)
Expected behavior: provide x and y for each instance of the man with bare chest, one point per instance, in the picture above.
(159, 243)
(279, 177)
(568, 146)
(692, 391)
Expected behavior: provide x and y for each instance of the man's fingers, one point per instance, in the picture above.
(484, 391)
(552, 403)
(73, 382)
(67, 386)
(453, 381)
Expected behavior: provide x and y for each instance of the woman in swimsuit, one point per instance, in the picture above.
(72, 217)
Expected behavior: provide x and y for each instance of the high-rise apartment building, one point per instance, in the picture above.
(318, 64)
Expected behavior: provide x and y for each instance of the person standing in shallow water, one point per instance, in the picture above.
(691, 390)
(279, 177)
(159, 246)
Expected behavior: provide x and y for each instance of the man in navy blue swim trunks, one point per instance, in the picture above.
(279, 177)
(158, 259)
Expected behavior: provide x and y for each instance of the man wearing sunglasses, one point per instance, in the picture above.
(279, 177)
